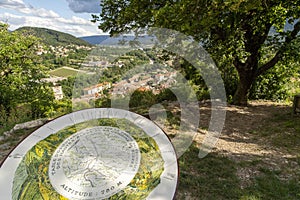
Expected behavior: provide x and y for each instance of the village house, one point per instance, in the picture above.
(58, 93)
(96, 89)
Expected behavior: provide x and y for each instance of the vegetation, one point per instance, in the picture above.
(255, 45)
(52, 37)
(244, 34)
(23, 95)
(73, 57)
(65, 72)
(21, 71)
(278, 84)
(215, 177)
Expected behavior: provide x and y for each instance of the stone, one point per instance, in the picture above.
(30, 124)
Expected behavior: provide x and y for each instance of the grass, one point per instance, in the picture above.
(64, 72)
(15, 139)
(212, 177)
(269, 186)
(215, 177)
(282, 131)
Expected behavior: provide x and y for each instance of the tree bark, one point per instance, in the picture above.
(241, 95)
(247, 75)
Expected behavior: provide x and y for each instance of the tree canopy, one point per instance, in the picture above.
(21, 72)
(252, 36)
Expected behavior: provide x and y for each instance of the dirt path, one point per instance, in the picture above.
(241, 139)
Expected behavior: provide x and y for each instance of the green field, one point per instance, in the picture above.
(65, 72)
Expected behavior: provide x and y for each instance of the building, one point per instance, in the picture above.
(58, 93)
(96, 89)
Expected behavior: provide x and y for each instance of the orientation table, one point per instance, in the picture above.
(99, 153)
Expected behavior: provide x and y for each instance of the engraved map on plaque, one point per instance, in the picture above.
(92, 154)
(94, 163)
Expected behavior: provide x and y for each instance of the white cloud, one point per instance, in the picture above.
(39, 12)
(84, 6)
(19, 5)
(75, 21)
(40, 17)
(12, 20)
(45, 13)
(80, 31)
(12, 4)
(75, 26)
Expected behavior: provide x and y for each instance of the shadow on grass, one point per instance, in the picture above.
(215, 177)
(269, 186)
(212, 177)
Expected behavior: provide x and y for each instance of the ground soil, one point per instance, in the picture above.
(242, 142)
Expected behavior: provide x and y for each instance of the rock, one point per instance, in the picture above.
(4, 146)
(30, 124)
(7, 133)
(26, 125)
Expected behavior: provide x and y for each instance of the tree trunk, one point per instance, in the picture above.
(246, 79)
(241, 95)
(249, 70)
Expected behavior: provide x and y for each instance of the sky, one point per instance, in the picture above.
(69, 16)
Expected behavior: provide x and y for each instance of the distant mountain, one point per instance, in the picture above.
(52, 37)
(95, 39)
(107, 40)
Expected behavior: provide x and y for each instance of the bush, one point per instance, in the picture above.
(166, 95)
(142, 99)
(276, 84)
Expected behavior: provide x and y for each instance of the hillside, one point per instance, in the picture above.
(54, 38)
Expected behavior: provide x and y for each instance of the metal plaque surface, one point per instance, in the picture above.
(94, 163)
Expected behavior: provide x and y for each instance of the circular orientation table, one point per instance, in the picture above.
(92, 154)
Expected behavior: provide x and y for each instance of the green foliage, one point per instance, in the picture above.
(103, 103)
(21, 72)
(166, 95)
(67, 86)
(269, 186)
(277, 83)
(213, 177)
(52, 37)
(65, 72)
(235, 32)
(142, 99)
(73, 57)
(19, 114)
(42, 102)
(61, 107)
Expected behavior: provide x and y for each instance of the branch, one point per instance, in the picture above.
(280, 52)
(238, 64)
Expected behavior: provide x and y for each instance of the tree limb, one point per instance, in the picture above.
(280, 52)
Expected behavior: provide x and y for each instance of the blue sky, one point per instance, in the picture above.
(70, 16)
